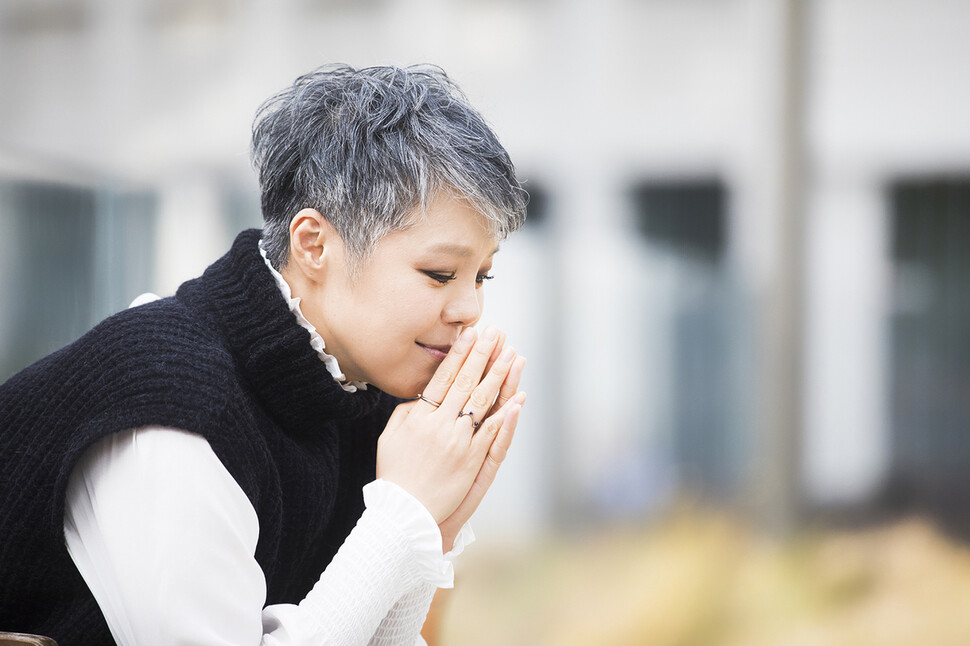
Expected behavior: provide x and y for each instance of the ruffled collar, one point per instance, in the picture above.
(316, 341)
(273, 352)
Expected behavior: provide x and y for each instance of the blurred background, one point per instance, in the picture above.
(742, 287)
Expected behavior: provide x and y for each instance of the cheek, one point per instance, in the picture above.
(420, 308)
(403, 317)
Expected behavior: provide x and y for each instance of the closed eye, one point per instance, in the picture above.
(441, 277)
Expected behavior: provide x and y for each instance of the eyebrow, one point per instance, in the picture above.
(456, 249)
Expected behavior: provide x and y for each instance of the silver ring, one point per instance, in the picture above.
(470, 414)
(425, 399)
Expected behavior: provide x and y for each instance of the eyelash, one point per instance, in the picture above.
(444, 279)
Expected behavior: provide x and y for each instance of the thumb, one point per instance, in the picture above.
(401, 412)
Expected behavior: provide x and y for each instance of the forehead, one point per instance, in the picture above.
(448, 226)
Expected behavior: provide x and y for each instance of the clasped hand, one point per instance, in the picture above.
(447, 455)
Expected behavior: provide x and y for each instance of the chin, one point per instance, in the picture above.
(402, 392)
(407, 388)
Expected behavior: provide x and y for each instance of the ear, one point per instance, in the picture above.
(311, 238)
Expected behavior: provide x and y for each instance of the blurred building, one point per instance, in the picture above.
(746, 267)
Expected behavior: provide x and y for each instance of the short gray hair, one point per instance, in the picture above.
(366, 147)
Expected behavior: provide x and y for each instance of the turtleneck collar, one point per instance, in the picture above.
(293, 302)
(271, 349)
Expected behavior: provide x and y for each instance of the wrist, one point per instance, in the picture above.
(447, 540)
(454, 540)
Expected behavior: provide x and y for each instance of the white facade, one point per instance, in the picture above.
(589, 98)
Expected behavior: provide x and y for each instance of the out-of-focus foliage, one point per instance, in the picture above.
(701, 579)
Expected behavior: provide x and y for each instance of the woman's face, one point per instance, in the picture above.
(394, 323)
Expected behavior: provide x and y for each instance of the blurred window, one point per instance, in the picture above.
(537, 211)
(240, 207)
(72, 255)
(686, 216)
(930, 343)
(683, 224)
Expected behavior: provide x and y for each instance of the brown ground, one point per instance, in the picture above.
(704, 580)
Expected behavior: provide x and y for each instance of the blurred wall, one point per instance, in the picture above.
(654, 132)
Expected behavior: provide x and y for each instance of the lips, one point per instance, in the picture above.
(437, 351)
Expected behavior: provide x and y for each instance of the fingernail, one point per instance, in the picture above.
(519, 398)
(490, 333)
(507, 354)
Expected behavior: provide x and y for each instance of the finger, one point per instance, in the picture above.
(497, 452)
(470, 374)
(438, 387)
(492, 427)
(510, 386)
(496, 352)
(482, 398)
(503, 440)
(489, 468)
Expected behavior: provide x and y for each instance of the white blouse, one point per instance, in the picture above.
(165, 539)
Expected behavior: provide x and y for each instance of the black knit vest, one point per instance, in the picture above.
(223, 358)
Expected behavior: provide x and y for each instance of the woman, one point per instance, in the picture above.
(234, 464)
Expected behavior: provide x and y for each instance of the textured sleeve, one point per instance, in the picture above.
(402, 625)
(164, 538)
(380, 582)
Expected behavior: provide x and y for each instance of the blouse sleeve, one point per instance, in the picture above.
(164, 537)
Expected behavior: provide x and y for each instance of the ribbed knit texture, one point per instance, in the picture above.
(224, 358)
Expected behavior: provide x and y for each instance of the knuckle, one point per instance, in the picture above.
(502, 364)
(483, 349)
(464, 382)
(478, 399)
(489, 427)
(443, 376)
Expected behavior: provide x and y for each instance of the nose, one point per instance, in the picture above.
(464, 308)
